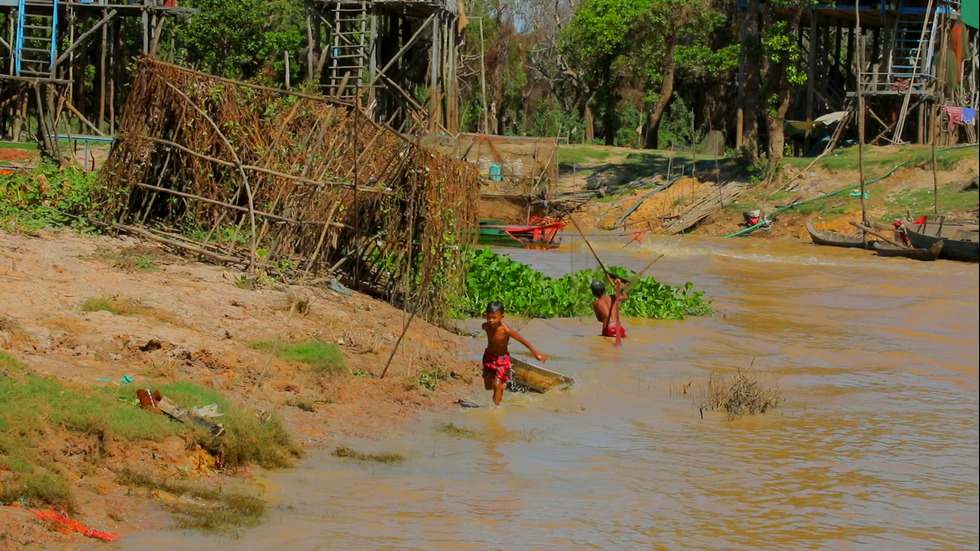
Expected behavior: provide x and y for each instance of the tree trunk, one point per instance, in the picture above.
(751, 69)
(589, 132)
(652, 131)
(776, 120)
(609, 125)
(778, 77)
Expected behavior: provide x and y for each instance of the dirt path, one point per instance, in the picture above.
(196, 322)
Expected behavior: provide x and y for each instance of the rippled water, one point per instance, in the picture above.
(875, 447)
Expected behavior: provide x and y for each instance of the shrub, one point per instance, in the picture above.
(527, 292)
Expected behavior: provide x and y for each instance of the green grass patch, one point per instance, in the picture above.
(832, 204)
(345, 452)
(579, 154)
(133, 259)
(950, 199)
(33, 406)
(115, 305)
(247, 439)
(325, 358)
(457, 432)
(617, 165)
(195, 507)
(878, 158)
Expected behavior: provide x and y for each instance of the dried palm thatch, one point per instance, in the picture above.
(256, 176)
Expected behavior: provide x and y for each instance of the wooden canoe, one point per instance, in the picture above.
(961, 240)
(832, 238)
(536, 378)
(915, 253)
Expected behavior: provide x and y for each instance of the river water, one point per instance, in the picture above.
(874, 447)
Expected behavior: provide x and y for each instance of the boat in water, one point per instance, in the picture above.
(915, 253)
(834, 239)
(540, 233)
(536, 378)
(961, 240)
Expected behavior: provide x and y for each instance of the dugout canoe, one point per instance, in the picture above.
(537, 378)
(961, 240)
(834, 239)
(915, 253)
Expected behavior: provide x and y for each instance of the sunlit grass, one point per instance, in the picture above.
(325, 358)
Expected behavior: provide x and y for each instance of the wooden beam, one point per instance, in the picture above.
(403, 49)
(81, 39)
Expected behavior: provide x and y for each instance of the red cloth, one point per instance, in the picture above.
(498, 365)
(611, 331)
(955, 115)
(68, 525)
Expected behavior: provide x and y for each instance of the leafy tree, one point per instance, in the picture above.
(783, 70)
(241, 39)
(672, 36)
(596, 44)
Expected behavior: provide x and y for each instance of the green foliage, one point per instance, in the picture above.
(630, 119)
(48, 196)
(526, 292)
(325, 358)
(551, 119)
(677, 124)
(429, 378)
(244, 39)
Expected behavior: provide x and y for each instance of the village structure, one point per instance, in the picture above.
(912, 64)
(367, 180)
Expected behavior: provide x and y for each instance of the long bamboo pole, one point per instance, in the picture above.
(860, 98)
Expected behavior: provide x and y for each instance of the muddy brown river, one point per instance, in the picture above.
(875, 446)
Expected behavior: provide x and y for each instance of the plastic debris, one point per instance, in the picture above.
(337, 286)
(66, 525)
(210, 410)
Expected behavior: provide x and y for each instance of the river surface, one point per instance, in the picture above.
(874, 447)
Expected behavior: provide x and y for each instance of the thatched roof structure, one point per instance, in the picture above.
(271, 179)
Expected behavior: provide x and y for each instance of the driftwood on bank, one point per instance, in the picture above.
(265, 177)
(706, 206)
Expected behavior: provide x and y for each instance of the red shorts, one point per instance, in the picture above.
(611, 331)
(499, 366)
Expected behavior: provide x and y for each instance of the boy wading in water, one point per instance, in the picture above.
(496, 358)
(607, 307)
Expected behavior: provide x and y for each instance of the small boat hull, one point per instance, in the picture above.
(961, 241)
(834, 239)
(536, 378)
(541, 233)
(932, 253)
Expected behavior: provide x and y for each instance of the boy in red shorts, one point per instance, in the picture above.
(606, 307)
(496, 358)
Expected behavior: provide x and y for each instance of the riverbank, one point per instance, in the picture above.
(201, 324)
(898, 180)
(194, 322)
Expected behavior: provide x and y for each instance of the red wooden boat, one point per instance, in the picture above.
(540, 233)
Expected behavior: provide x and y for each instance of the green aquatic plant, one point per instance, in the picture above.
(527, 292)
